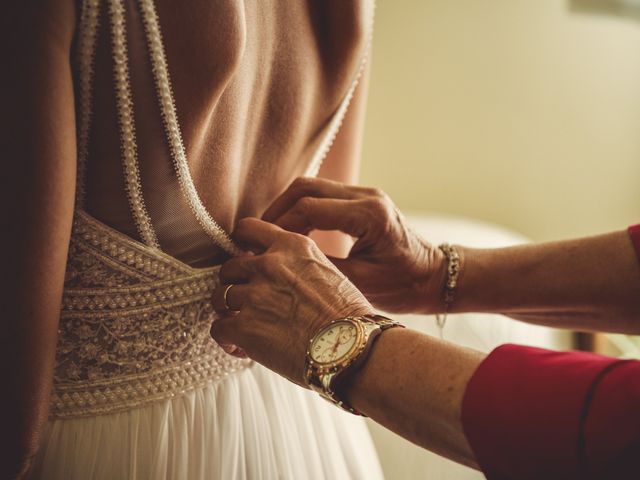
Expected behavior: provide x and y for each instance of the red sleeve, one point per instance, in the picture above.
(634, 233)
(530, 413)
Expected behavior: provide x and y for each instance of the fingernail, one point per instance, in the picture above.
(240, 353)
(228, 348)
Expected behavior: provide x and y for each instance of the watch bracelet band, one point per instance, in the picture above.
(322, 383)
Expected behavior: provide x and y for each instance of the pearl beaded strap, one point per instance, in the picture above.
(172, 130)
(336, 122)
(127, 126)
(167, 105)
(88, 28)
(169, 116)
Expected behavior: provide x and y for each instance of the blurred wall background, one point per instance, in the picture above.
(523, 113)
(517, 112)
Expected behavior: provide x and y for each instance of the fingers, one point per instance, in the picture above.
(236, 298)
(310, 187)
(310, 213)
(255, 234)
(237, 270)
(234, 350)
(227, 330)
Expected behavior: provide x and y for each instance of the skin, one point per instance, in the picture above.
(37, 139)
(252, 105)
(286, 290)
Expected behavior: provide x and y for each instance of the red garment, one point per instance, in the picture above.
(634, 233)
(530, 413)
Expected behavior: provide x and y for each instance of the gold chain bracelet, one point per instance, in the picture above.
(453, 271)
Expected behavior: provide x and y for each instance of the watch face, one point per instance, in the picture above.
(334, 342)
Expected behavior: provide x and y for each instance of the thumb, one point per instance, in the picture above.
(311, 213)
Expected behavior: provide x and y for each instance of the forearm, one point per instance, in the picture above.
(27, 382)
(34, 258)
(33, 278)
(414, 384)
(585, 284)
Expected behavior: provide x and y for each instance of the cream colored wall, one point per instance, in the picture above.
(519, 112)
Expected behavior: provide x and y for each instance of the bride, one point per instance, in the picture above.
(135, 133)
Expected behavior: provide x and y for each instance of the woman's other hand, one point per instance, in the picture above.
(391, 265)
(283, 293)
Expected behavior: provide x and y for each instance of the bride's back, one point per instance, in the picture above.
(255, 84)
(115, 348)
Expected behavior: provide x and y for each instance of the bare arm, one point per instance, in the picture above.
(37, 144)
(413, 385)
(588, 284)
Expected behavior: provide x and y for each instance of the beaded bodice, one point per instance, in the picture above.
(134, 325)
(135, 322)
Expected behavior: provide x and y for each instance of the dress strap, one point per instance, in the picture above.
(88, 31)
(338, 117)
(172, 129)
(126, 124)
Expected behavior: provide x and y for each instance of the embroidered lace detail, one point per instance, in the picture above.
(172, 130)
(134, 326)
(89, 23)
(72, 400)
(127, 126)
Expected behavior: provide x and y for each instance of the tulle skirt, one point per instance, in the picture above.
(251, 425)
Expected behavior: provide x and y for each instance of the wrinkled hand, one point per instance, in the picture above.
(392, 266)
(284, 293)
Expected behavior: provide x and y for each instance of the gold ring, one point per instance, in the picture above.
(224, 297)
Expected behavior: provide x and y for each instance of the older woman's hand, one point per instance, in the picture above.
(392, 266)
(283, 293)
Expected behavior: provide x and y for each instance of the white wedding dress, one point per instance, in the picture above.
(141, 391)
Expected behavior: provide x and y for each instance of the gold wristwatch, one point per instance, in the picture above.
(338, 348)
